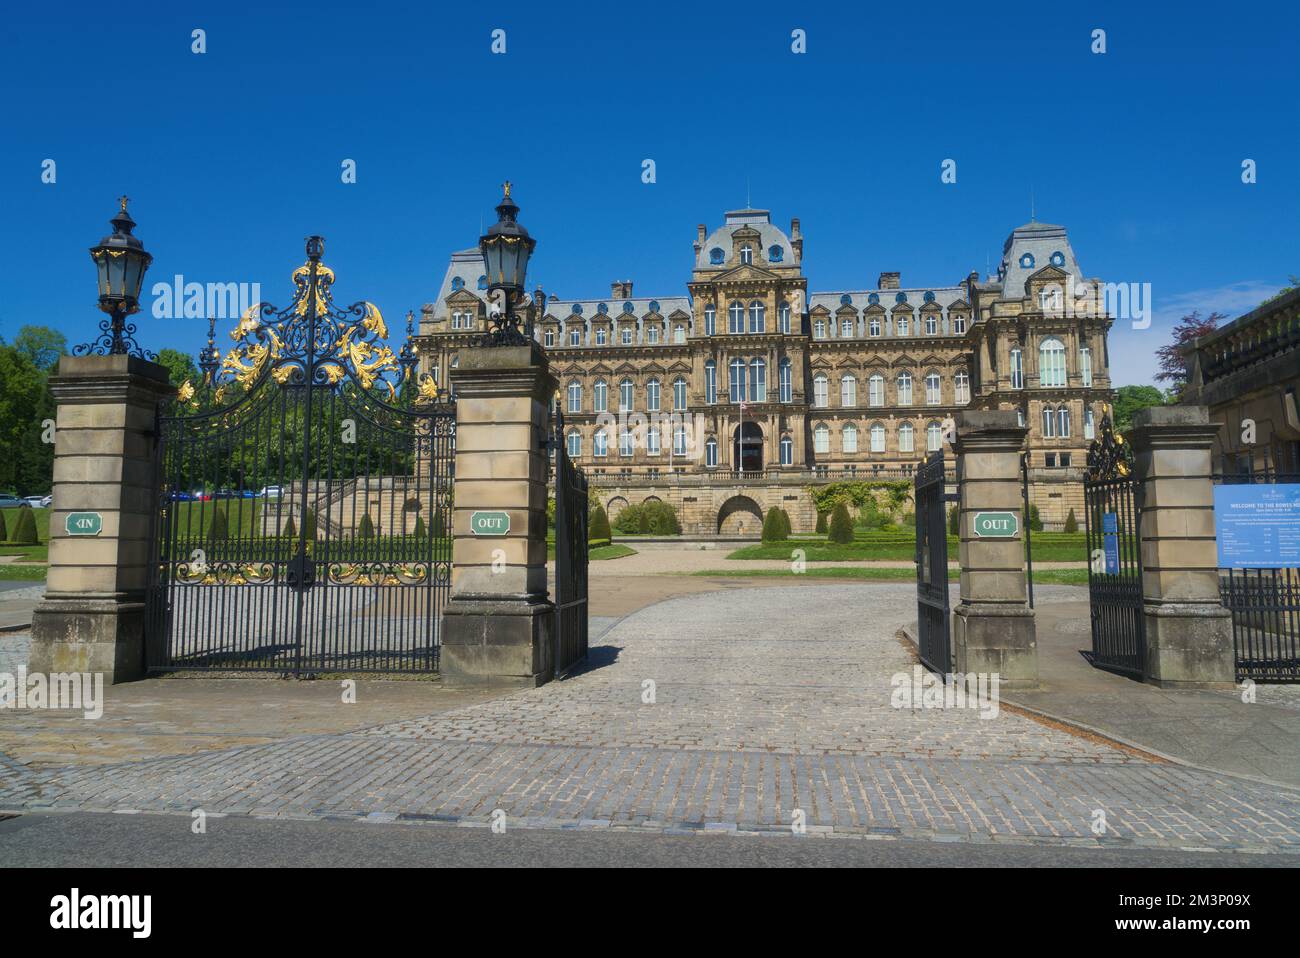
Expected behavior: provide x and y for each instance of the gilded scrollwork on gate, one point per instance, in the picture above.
(1109, 456)
(199, 572)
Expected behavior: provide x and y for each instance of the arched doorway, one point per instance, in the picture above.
(747, 447)
(740, 515)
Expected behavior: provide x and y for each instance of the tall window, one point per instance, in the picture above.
(848, 391)
(652, 333)
(846, 328)
(1063, 422)
(757, 380)
(549, 338)
(679, 439)
(625, 391)
(822, 439)
(652, 441)
(933, 437)
(1049, 422)
(785, 376)
(710, 320)
(600, 336)
(625, 443)
(906, 438)
(747, 255)
(873, 327)
(876, 390)
(961, 386)
(819, 329)
(959, 324)
(600, 396)
(850, 437)
(933, 394)
(679, 334)
(600, 444)
(711, 453)
(710, 382)
(757, 311)
(1085, 365)
(736, 318)
(787, 451)
(737, 380)
(1089, 428)
(877, 437)
(902, 323)
(575, 397)
(1017, 369)
(574, 443)
(1051, 363)
(783, 315)
(627, 335)
(679, 393)
(652, 395)
(819, 391)
(905, 389)
(931, 324)
(575, 337)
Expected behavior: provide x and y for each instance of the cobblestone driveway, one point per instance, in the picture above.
(766, 701)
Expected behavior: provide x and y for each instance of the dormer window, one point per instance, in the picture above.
(600, 337)
(482, 282)
(1027, 261)
(1058, 258)
(716, 256)
(457, 284)
(627, 335)
(747, 255)
(775, 254)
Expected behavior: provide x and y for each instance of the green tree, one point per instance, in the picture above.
(42, 345)
(25, 528)
(820, 528)
(954, 521)
(219, 528)
(420, 532)
(1071, 523)
(786, 527)
(1129, 399)
(598, 524)
(841, 530)
(180, 367)
(290, 530)
(4, 533)
(366, 527)
(772, 526)
(1035, 521)
(26, 406)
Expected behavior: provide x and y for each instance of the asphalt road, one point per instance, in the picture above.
(98, 840)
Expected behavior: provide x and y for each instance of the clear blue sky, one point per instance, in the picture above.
(232, 157)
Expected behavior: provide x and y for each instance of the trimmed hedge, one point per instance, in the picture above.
(821, 524)
(1071, 523)
(649, 518)
(772, 529)
(841, 529)
(598, 525)
(25, 529)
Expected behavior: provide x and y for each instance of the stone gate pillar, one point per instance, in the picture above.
(92, 616)
(497, 627)
(1188, 631)
(993, 627)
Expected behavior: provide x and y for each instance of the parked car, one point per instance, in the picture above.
(180, 495)
(271, 492)
(9, 501)
(37, 502)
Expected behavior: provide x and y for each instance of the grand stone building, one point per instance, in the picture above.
(750, 380)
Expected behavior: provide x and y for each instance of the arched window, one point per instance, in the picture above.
(1051, 362)
(1027, 261)
(652, 395)
(961, 386)
(747, 255)
(933, 437)
(906, 438)
(873, 325)
(575, 397)
(848, 391)
(1049, 422)
(457, 283)
(785, 375)
(600, 396)
(905, 389)
(877, 437)
(1063, 422)
(711, 452)
(819, 391)
(1017, 369)
(679, 439)
(710, 320)
(757, 380)
(783, 315)
(625, 395)
(849, 435)
(787, 451)
(652, 441)
(600, 444)
(876, 390)
(822, 439)
(679, 393)
(756, 314)
(933, 391)
(737, 384)
(736, 318)
(574, 444)
(710, 382)
(625, 443)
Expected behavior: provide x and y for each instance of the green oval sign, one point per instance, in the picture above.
(84, 524)
(489, 523)
(996, 525)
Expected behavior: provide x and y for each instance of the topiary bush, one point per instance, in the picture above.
(366, 527)
(786, 528)
(1071, 523)
(420, 532)
(954, 521)
(25, 529)
(218, 529)
(598, 524)
(821, 524)
(290, 530)
(841, 528)
(1035, 522)
(4, 533)
(772, 531)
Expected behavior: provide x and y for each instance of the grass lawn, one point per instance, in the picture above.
(612, 551)
(1046, 547)
(1041, 576)
(22, 573)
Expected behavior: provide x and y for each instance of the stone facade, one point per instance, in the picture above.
(856, 383)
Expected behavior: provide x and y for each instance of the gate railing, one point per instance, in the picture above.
(1265, 607)
(934, 624)
(571, 547)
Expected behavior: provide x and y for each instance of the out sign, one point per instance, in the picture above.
(489, 523)
(996, 525)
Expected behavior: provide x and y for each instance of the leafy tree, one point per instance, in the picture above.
(25, 528)
(772, 531)
(180, 367)
(26, 404)
(1173, 367)
(841, 525)
(1129, 399)
(598, 524)
(42, 345)
(1071, 523)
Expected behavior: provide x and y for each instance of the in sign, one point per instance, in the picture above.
(84, 524)
(996, 525)
(489, 523)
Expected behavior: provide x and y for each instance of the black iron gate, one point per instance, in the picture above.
(571, 545)
(1265, 607)
(1112, 507)
(934, 624)
(305, 516)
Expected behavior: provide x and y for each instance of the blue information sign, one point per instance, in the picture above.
(1110, 541)
(1258, 525)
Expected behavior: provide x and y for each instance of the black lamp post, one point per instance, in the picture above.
(506, 247)
(121, 261)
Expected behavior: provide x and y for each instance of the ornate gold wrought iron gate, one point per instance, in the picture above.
(305, 494)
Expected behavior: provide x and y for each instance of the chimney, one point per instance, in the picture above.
(887, 281)
(700, 233)
(620, 289)
(794, 228)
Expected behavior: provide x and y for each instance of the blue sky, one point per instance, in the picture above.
(233, 156)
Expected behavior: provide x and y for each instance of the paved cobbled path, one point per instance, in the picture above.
(767, 705)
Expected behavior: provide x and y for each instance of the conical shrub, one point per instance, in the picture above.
(598, 524)
(772, 526)
(366, 527)
(4, 533)
(841, 530)
(218, 528)
(25, 529)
